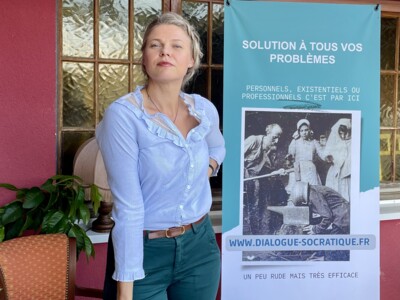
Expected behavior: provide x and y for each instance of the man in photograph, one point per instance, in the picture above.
(333, 212)
(262, 186)
(333, 209)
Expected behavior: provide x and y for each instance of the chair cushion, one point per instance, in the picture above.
(35, 267)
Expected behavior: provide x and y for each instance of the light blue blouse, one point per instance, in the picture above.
(158, 179)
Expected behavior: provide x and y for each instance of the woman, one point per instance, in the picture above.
(303, 150)
(338, 153)
(160, 146)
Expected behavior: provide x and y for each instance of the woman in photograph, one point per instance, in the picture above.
(338, 154)
(302, 152)
(160, 146)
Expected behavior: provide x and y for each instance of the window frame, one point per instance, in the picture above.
(390, 191)
(167, 5)
(130, 62)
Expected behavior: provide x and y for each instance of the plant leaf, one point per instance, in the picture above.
(12, 212)
(89, 249)
(66, 179)
(8, 187)
(36, 216)
(73, 209)
(33, 198)
(2, 230)
(84, 213)
(72, 232)
(83, 242)
(76, 232)
(51, 220)
(80, 195)
(48, 186)
(63, 226)
(96, 197)
(21, 193)
(53, 199)
(27, 225)
(13, 230)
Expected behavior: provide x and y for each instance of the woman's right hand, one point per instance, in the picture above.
(124, 290)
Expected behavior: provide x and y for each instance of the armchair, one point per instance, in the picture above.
(40, 267)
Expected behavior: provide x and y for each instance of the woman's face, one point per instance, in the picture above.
(344, 135)
(168, 54)
(344, 132)
(304, 131)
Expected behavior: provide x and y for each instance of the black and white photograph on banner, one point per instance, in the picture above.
(297, 168)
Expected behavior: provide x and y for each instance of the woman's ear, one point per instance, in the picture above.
(191, 64)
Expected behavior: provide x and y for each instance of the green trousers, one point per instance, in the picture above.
(180, 268)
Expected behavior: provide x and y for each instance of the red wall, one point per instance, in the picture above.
(390, 260)
(28, 56)
(27, 92)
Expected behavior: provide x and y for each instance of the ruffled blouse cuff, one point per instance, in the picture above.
(128, 276)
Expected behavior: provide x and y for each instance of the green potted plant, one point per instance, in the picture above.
(57, 206)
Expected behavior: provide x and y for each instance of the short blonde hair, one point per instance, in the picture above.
(171, 18)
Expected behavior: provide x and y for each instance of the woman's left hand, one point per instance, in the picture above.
(209, 172)
(212, 165)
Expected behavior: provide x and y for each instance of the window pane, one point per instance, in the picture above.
(78, 28)
(138, 77)
(113, 83)
(144, 11)
(397, 155)
(114, 34)
(78, 95)
(218, 34)
(397, 118)
(217, 88)
(216, 97)
(388, 43)
(386, 139)
(387, 100)
(196, 13)
(198, 85)
(70, 142)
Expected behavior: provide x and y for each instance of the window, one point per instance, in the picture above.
(389, 108)
(100, 61)
(208, 18)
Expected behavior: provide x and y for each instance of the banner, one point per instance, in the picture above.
(301, 176)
